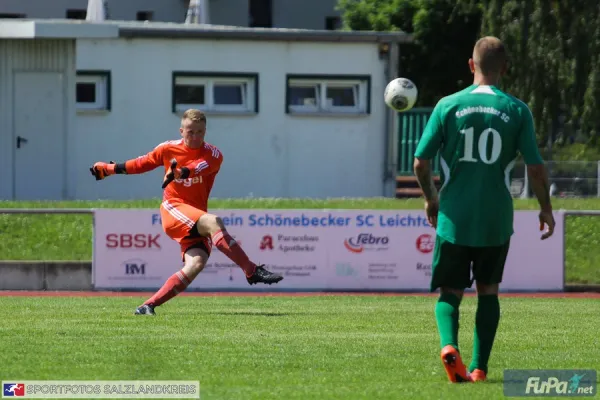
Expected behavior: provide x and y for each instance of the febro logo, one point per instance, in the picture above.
(425, 243)
(366, 242)
(544, 383)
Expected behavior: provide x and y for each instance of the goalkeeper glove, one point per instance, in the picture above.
(175, 173)
(101, 170)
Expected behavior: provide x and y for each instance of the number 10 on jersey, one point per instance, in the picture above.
(482, 145)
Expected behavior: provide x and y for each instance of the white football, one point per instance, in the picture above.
(401, 94)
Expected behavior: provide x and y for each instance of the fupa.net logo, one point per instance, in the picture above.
(550, 382)
(556, 386)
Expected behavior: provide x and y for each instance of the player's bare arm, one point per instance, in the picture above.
(424, 176)
(540, 184)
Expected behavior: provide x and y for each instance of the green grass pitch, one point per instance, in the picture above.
(284, 347)
(69, 237)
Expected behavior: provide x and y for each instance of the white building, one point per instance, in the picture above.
(295, 113)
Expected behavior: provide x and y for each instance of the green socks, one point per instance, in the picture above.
(487, 318)
(446, 316)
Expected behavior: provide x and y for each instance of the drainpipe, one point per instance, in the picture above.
(390, 167)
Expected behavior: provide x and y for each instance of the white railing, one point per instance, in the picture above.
(567, 179)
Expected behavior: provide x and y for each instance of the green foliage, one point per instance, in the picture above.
(555, 66)
(444, 33)
(554, 47)
(576, 152)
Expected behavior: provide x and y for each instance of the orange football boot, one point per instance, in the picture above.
(455, 368)
(478, 375)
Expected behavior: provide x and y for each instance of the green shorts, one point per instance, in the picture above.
(452, 264)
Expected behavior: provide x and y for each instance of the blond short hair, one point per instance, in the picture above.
(489, 55)
(194, 115)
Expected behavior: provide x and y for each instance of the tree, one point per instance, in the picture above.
(444, 33)
(555, 65)
(554, 47)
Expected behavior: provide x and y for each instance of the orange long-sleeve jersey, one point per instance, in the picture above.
(204, 164)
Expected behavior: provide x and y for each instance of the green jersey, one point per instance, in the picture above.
(479, 132)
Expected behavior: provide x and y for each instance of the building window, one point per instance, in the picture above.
(144, 16)
(93, 90)
(333, 23)
(328, 94)
(260, 14)
(215, 92)
(76, 14)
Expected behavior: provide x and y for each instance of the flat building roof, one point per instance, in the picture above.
(79, 29)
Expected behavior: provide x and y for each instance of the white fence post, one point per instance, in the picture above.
(525, 192)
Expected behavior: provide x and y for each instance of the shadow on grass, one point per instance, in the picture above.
(254, 313)
(500, 381)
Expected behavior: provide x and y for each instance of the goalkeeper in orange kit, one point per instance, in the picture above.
(184, 208)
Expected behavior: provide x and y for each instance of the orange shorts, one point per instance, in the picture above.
(178, 221)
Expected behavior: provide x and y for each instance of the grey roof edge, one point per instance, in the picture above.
(235, 33)
(55, 29)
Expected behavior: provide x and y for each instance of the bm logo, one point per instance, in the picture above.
(135, 267)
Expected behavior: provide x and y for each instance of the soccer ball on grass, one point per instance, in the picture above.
(401, 94)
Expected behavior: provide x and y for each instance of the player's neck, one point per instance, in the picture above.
(481, 80)
(194, 146)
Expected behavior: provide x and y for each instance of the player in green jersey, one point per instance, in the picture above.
(479, 133)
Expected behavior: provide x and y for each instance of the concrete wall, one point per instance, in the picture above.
(40, 275)
(77, 276)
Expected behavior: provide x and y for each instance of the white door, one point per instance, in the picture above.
(39, 136)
